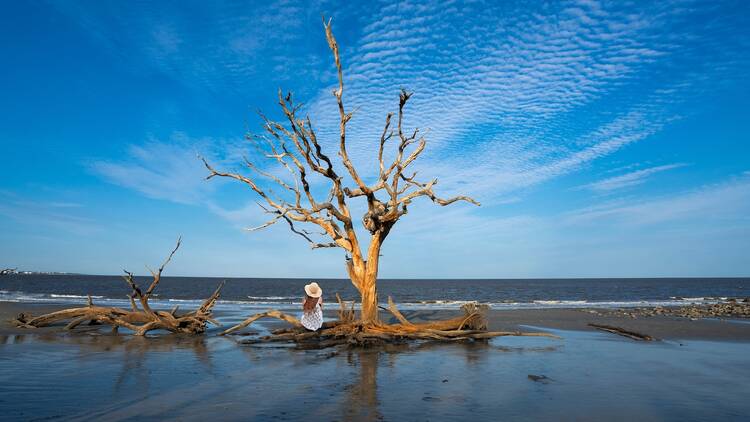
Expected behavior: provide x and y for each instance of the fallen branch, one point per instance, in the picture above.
(623, 332)
(273, 313)
(392, 308)
(139, 320)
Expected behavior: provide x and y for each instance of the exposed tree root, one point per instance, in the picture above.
(470, 326)
(139, 320)
(623, 332)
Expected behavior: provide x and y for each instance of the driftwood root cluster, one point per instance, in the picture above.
(347, 330)
(139, 319)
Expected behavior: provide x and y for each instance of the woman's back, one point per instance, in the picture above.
(312, 319)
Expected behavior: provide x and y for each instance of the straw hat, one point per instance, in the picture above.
(313, 290)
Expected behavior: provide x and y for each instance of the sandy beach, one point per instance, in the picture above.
(585, 375)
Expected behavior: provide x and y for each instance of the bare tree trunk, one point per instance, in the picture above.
(368, 280)
(364, 277)
(369, 292)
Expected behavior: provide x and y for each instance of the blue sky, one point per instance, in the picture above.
(603, 139)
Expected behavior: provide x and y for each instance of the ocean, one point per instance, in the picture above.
(262, 293)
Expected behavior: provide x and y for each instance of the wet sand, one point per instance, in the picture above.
(697, 372)
(662, 327)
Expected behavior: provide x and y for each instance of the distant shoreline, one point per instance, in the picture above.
(16, 272)
(386, 280)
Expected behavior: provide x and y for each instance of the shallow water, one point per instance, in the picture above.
(248, 293)
(590, 376)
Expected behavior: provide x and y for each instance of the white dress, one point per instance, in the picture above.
(313, 320)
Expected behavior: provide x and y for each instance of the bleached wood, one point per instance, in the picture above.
(140, 321)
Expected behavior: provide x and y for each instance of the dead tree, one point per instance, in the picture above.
(140, 318)
(294, 145)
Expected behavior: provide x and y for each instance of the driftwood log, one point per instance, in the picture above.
(140, 318)
(623, 332)
(348, 330)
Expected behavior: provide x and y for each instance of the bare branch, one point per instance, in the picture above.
(269, 176)
(264, 225)
(343, 116)
(313, 244)
(383, 139)
(426, 190)
(157, 275)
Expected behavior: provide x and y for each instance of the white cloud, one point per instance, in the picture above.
(631, 179)
(169, 170)
(43, 216)
(511, 92)
(699, 232)
(516, 101)
(211, 46)
(728, 200)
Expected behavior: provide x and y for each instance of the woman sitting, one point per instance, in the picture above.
(312, 307)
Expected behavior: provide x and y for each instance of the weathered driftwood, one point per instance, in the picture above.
(140, 320)
(348, 330)
(623, 332)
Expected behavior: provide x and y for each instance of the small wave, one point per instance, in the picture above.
(291, 302)
(229, 301)
(445, 302)
(273, 297)
(542, 304)
(10, 296)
